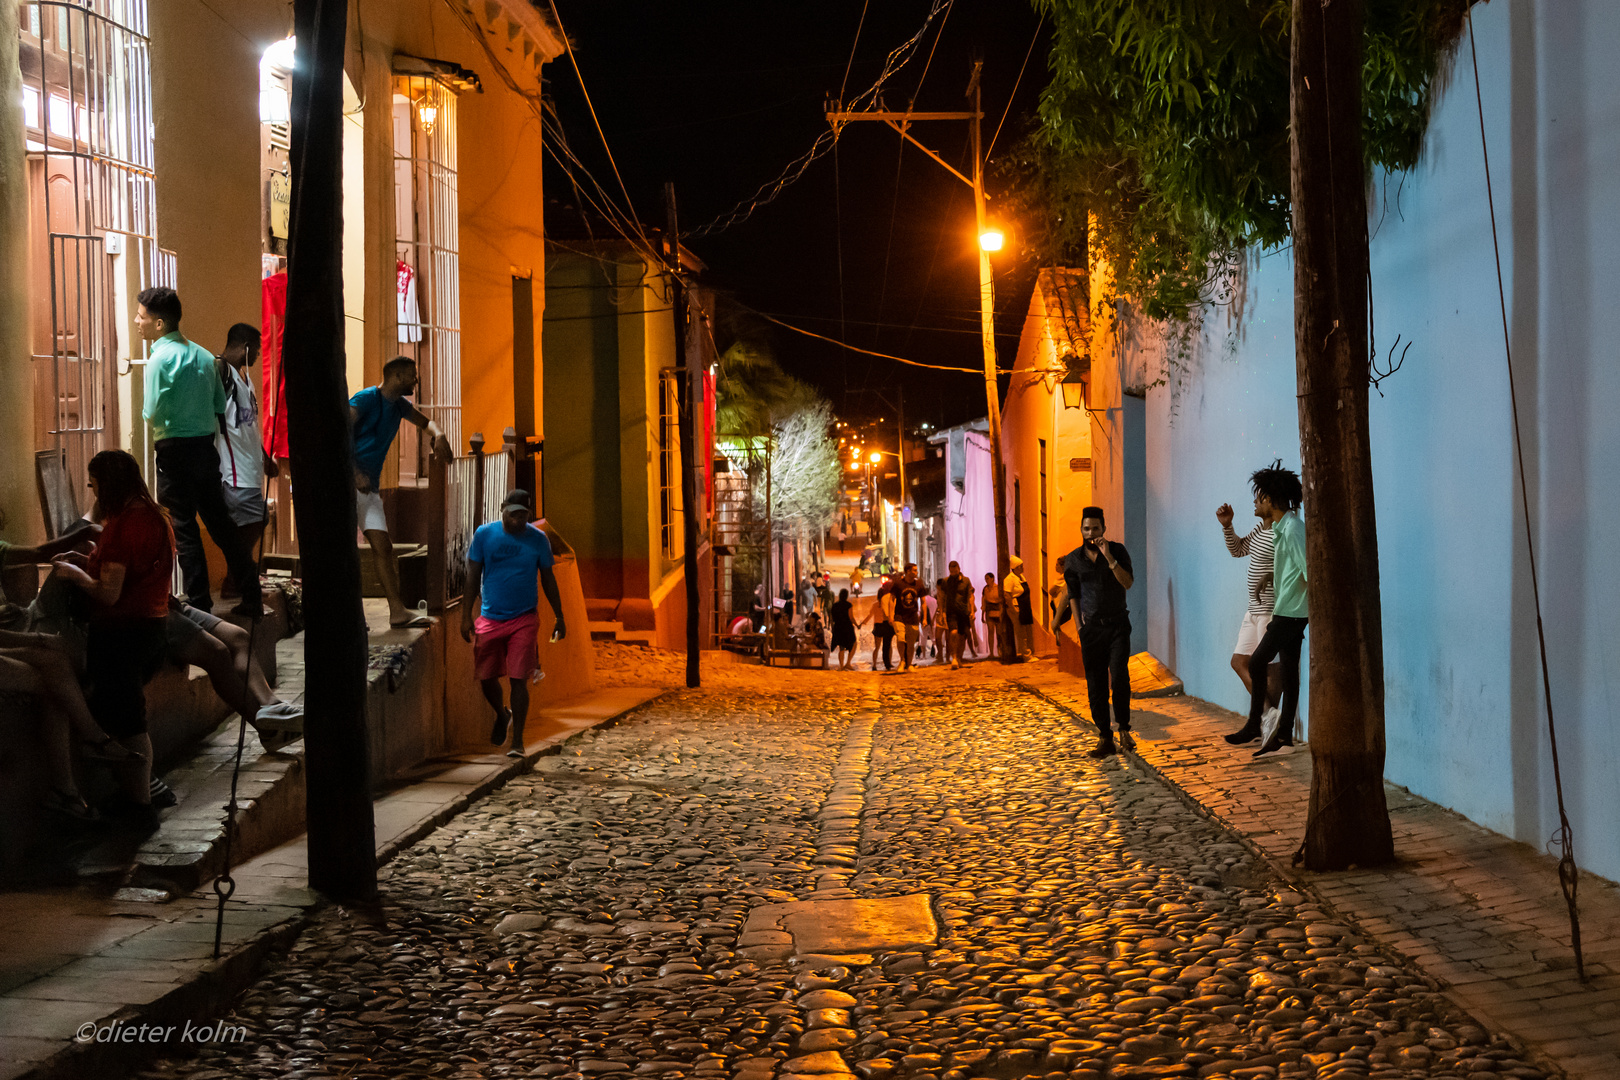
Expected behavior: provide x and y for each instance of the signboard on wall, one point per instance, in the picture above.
(280, 204)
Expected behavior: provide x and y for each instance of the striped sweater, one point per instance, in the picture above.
(1258, 546)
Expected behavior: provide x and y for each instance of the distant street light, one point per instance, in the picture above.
(877, 456)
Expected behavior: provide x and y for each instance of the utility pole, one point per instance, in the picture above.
(901, 122)
(342, 831)
(688, 397)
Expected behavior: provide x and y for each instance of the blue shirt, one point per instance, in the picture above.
(510, 564)
(375, 428)
(184, 397)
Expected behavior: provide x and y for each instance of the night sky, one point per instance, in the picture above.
(719, 96)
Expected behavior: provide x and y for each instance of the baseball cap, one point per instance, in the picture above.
(518, 498)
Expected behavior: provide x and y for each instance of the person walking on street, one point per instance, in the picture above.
(1277, 497)
(1016, 591)
(990, 601)
(843, 629)
(503, 561)
(883, 626)
(1256, 546)
(958, 601)
(1097, 574)
(374, 416)
(906, 595)
(243, 460)
(185, 404)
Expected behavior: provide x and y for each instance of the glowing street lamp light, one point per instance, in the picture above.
(991, 240)
(877, 456)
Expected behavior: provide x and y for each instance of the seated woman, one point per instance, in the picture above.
(815, 632)
(38, 664)
(127, 578)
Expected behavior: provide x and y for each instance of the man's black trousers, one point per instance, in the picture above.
(1105, 652)
(1282, 640)
(189, 487)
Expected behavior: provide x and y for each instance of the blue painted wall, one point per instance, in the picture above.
(1465, 714)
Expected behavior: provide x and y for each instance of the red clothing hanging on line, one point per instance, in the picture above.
(273, 327)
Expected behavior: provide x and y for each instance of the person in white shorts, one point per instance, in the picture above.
(1256, 547)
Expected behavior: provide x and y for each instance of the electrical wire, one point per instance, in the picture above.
(1016, 82)
(859, 26)
(768, 192)
(569, 49)
(979, 371)
(1568, 871)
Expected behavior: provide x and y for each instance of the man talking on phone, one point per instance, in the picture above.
(1097, 574)
(503, 562)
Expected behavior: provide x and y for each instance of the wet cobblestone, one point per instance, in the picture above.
(586, 921)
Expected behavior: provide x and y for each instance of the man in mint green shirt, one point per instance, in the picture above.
(185, 404)
(1277, 497)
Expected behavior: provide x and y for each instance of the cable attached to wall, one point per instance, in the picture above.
(1568, 872)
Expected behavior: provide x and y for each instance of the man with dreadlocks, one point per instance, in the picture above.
(1277, 497)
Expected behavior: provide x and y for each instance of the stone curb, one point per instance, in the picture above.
(210, 991)
(1303, 883)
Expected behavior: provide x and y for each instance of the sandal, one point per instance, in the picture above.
(108, 749)
(70, 806)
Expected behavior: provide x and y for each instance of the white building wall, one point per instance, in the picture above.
(1465, 720)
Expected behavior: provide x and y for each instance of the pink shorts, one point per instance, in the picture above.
(506, 647)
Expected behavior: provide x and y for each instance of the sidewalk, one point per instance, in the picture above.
(73, 962)
(1479, 913)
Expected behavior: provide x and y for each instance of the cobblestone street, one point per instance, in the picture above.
(632, 907)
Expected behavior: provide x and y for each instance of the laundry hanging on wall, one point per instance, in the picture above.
(410, 308)
(273, 330)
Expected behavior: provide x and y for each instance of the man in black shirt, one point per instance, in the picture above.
(1097, 574)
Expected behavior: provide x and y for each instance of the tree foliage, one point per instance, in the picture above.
(805, 471)
(1167, 122)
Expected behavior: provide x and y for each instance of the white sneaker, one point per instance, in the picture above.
(284, 715)
(1268, 724)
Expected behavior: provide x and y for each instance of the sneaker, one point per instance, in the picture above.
(272, 740)
(1103, 749)
(515, 753)
(1127, 743)
(1246, 735)
(161, 794)
(280, 713)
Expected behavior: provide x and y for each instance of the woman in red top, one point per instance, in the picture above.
(128, 577)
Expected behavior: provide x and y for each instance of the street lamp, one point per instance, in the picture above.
(991, 239)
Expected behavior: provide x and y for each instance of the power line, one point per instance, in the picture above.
(569, 49)
(1012, 96)
(979, 371)
(770, 190)
(843, 86)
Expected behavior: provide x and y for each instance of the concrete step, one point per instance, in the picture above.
(615, 631)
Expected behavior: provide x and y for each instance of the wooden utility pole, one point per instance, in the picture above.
(901, 122)
(688, 392)
(1348, 819)
(342, 837)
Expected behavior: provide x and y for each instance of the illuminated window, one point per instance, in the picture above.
(427, 263)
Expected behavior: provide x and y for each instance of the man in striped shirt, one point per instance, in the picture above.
(1257, 547)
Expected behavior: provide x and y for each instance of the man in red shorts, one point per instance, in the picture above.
(503, 562)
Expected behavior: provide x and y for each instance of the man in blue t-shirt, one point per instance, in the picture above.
(503, 562)
(374, 416)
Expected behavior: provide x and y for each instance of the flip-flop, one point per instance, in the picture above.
(414, 622)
